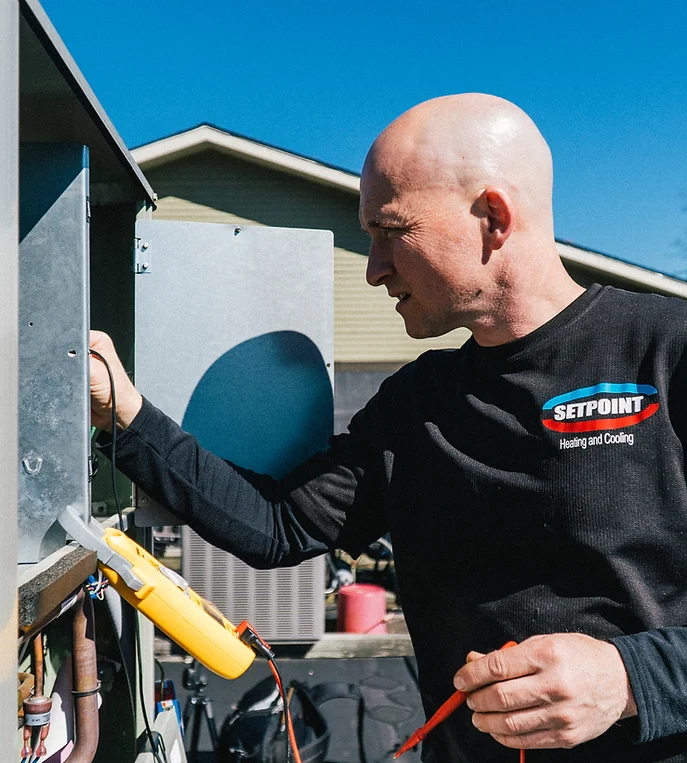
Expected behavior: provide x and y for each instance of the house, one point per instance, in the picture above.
(207, 174)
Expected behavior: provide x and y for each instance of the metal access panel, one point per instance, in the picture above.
(54, 402)
(234, 340)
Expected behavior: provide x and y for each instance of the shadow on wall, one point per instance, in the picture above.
(266, 404)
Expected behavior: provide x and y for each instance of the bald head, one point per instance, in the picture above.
(468, 142)
(456, 197)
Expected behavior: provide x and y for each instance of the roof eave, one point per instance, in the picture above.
(203, 137)
(634, 274)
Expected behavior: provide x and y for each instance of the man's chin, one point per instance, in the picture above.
(417, 330)
(422, 332)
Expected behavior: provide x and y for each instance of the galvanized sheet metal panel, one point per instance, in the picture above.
(54, 401)
(209, 288)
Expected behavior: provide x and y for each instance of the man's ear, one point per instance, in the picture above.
(499, 217)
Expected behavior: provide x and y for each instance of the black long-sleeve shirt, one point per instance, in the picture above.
(534, 487)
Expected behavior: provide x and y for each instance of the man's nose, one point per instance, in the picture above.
(379, 266)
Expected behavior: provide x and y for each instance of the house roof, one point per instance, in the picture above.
(206, 136)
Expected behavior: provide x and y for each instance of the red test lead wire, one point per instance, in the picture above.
(250, 636)
(450, 706)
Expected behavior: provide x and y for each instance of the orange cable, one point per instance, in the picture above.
(287, 711)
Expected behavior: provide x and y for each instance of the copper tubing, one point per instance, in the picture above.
(85, 680)
(38, 663)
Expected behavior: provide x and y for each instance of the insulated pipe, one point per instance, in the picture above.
(85, 682)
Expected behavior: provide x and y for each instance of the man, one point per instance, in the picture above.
(532, 481)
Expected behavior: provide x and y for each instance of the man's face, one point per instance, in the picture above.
(426, 249)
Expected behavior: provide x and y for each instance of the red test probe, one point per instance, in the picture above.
(451, 704)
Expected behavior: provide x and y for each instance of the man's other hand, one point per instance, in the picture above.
(553, 691)
(128, 399)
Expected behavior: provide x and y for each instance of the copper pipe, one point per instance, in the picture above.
(37, 707)
(85, 680)
(38, 663)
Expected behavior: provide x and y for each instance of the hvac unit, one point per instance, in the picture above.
(284, 605)
(234, 340)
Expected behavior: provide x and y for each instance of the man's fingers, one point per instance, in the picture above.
(129, 401)
(547, 739)
(474, 656)
(514, 694)
(516, 723)
(547, 726)
(496, 666)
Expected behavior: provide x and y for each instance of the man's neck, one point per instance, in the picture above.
(521, 313)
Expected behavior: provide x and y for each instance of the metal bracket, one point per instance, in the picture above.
(142, 264)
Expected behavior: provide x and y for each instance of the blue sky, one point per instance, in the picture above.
(605, 81)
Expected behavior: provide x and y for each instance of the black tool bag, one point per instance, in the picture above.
(256, 732)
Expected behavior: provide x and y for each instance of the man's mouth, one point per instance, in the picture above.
(401, 299)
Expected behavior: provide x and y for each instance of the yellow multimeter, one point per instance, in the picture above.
(164, 597)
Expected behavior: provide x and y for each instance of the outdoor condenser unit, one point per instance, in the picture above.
(285, 605)
(234, 340)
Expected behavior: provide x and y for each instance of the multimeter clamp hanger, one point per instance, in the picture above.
(91, 536)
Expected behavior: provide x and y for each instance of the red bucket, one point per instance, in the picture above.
(361, 609)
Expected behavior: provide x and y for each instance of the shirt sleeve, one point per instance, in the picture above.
(656, 664)
(332, 500)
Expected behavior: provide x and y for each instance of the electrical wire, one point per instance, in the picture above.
(113, 456)
(146, 721)
(293, 746)
(162, 671)
(250, 636)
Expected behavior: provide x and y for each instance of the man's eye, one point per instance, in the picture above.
(392, 232)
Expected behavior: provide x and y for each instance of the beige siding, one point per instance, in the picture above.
(215, 188)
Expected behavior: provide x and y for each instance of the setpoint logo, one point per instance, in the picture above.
(601, 407)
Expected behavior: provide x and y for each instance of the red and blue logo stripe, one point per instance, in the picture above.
(600, 407)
